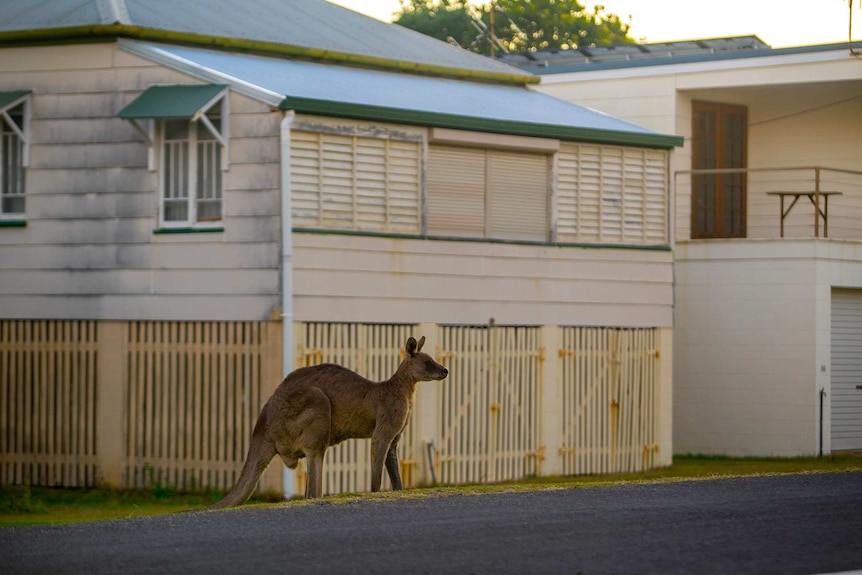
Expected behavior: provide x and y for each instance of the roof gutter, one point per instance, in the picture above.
(441, 120)
(112, 31)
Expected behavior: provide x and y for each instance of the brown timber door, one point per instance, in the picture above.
(719, 142)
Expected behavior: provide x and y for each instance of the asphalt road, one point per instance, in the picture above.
(788, 524)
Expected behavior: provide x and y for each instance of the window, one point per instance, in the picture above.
(487, 193)
(719, 142)
(187, 131)
(14, 151)
(611, 194)
(355, 182)
(191, 172)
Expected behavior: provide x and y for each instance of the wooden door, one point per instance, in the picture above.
(719, 142)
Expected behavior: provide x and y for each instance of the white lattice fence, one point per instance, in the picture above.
(48, 386)
(609, 385)
(174, 403)
(194, 392)
(489, 426)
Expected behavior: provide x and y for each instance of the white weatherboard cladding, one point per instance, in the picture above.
(89, 250)
(846, 388)
(352, 182)
(401, 280)
(611, 194)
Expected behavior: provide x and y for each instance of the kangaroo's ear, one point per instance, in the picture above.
(421, 343)
(410, 347)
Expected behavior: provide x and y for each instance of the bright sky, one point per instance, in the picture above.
(779, 23)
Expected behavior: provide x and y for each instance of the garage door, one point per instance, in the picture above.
(846, 369)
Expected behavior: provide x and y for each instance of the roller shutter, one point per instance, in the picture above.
(475, 192)
(456, 191)
(846, 385)
(518, 196)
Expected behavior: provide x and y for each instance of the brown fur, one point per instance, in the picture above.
(320, 406)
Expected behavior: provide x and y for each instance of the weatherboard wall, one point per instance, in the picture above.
(378, 279)
(91, 247)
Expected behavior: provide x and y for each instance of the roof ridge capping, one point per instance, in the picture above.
(114, 12)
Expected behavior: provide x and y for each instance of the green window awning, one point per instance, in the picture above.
(9, 98)
(172, 102)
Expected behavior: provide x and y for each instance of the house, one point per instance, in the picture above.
(768, 311)
(198, 197)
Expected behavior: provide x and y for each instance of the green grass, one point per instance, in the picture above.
(23, 505)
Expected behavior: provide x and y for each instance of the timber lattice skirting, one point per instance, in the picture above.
(140, 404)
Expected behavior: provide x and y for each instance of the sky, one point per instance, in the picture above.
(779, 23)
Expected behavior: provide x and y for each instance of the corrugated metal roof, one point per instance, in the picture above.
(17, 15)
(588, 59)
(539, 61)
(386, 96)
(309, 24)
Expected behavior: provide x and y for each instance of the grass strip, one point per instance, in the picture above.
(31, 505)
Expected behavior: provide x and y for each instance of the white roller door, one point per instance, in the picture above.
(846, 396)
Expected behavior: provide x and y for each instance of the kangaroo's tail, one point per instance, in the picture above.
(260, 453)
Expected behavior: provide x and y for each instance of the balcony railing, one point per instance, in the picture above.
(767, 203)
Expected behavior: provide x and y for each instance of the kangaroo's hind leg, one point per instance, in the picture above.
(305, 432)
(392, 464)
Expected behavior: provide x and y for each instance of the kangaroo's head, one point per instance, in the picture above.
(422, 366)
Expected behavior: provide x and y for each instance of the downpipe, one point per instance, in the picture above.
(289, 476)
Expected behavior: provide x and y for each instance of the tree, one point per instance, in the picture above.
(518, 25)
(447, 20)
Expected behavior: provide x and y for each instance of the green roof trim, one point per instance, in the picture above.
(171, 102)
(434, 119)
(95, 33)
(8, 98)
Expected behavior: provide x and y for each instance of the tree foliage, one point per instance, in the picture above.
(519, 25)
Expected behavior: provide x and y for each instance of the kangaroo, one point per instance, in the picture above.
(320, 406)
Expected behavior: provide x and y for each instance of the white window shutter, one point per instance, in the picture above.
(370, 173)
(567, 205)
(456, 191)
(517, 196)
(656, 190)
(589, 192)
(355, 182)
(610, 194)
(305, 179)
(404, 180)
(633, 197)
(337, 184)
